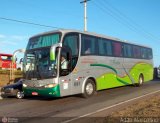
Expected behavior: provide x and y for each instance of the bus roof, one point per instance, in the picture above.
(88, 33)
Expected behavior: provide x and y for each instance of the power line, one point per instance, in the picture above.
(121, 18)
(30, 23)
(117, 18)
(131, 21)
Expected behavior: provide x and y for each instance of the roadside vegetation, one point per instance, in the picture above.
(6, 78)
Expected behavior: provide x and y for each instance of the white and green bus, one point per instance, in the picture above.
(93, 62)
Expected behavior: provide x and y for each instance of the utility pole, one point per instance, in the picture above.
(85, 14)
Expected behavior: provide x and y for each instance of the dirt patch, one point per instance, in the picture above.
(144, 111)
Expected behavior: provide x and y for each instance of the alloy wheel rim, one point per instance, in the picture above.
(89, 88)
(20, 95)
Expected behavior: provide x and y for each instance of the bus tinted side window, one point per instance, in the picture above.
(144, 53)
(105, 47)
(88, 45)
(149, 54)
(117, 49)
(71, 40)
(128, 50)
(137, 51)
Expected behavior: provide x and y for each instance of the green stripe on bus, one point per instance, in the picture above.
(103, 65)
(113, 69)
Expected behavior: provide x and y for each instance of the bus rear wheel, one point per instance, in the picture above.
(89, 88)
(140, 81)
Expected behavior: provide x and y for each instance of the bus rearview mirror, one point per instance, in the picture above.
(53, 51)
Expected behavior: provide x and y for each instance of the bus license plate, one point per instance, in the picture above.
(34, 93)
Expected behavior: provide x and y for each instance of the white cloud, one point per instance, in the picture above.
(1, 51)
(18, 37)
(5, 43)
(10, 43)
(13, 37)
(2, 36)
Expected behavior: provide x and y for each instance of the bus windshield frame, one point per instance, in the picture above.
(37, 63)
(43, 41)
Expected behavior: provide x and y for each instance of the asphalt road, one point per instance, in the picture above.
(67, 109)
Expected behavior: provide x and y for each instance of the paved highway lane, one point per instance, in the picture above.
(67, 108)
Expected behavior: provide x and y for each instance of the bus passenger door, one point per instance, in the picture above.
(64, 71)
(70, 50)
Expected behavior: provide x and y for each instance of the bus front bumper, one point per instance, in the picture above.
(48, 92)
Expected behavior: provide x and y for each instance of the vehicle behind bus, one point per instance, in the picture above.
(6, 62)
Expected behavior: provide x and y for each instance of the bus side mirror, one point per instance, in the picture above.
(15, 52)
(53, 51)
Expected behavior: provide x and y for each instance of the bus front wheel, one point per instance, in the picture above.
(89, 88)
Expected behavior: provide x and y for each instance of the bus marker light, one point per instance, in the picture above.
(64, 80)
(79, 78)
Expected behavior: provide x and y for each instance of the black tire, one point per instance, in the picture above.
(155, 74)
(20, 95)
(89, 88)
(140, 81)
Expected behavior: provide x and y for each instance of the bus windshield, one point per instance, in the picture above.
(37, 64)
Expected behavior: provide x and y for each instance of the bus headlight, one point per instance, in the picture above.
(50, 85)
(24, 85)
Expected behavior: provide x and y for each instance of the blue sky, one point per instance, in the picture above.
(137, 21)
